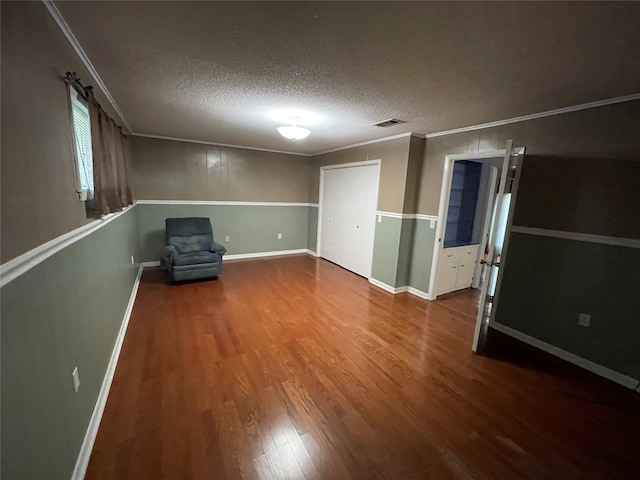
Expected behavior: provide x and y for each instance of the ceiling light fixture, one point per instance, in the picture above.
(293, 132)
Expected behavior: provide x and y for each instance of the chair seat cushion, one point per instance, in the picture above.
(195, 258)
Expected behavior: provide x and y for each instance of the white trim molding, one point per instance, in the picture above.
(312, 253)
(418, 216)
(533, 116)
(387, 288)
(82, 461)
(364, 163)
(581, 362)
(225, 202)
(215, 144)
(418, 293)
(577, 236)
(15, 267)
(66, 30)
(396, 290)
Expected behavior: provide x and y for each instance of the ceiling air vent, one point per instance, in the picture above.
(389, 123)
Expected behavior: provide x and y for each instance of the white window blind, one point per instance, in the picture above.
(82, 136)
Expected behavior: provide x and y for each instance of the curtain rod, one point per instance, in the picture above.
(73, 79)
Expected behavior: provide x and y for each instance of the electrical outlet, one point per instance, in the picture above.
(432, 223)
(76, 379)
(584, 320)
(226, 238)
(132, 260)
(279, 236)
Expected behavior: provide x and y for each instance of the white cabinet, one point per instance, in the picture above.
(456, 268)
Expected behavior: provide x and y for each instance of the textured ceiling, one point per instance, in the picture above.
(214, 71)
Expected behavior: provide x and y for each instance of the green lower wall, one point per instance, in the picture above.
(312, 229)
(405, 247)
(402, 252)
(251, 228)
(386, 246)
(64, 312)
(424, 238)
(549, 281)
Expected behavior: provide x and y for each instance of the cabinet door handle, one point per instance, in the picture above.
(455, 266)
(462, 264)
(449, 254)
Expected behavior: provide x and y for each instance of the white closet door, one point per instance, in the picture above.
(349, 201)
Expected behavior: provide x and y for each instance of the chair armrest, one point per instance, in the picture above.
(217, 248)
(168, 253)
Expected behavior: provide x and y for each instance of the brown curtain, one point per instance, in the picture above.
(112, 192)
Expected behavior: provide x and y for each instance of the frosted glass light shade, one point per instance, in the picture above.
(294, 133)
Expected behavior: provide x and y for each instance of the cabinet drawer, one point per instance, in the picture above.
(460, 253)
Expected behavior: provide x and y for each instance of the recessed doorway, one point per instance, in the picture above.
(476, 206)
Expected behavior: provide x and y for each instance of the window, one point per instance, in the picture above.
(82, 139)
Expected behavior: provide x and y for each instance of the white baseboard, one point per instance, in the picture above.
(240, 256)
(593, 367)
(150, 264)
(312, 253)
(386, 287)
(82, 461)
(418, 293)
(394, 290)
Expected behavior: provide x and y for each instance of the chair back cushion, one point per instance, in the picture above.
(189, 234)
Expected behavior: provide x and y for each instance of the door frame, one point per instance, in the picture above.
(323, 169)
(445, 193)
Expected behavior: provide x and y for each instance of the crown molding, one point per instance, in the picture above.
(202, 142)
(533, 116)
(369, 142)
(66, 30)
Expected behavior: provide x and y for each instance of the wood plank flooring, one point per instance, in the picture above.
(293, 368)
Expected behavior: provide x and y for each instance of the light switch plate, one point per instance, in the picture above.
(432, 223)
(379, 218)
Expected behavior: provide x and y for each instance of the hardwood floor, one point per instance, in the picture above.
(294, 368)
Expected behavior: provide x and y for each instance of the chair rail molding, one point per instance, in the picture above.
(15, 267)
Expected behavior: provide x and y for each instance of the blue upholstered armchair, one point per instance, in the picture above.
(191, 252)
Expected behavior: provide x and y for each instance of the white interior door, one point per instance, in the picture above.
(347, 223)
(491, 271)
(488, 214)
